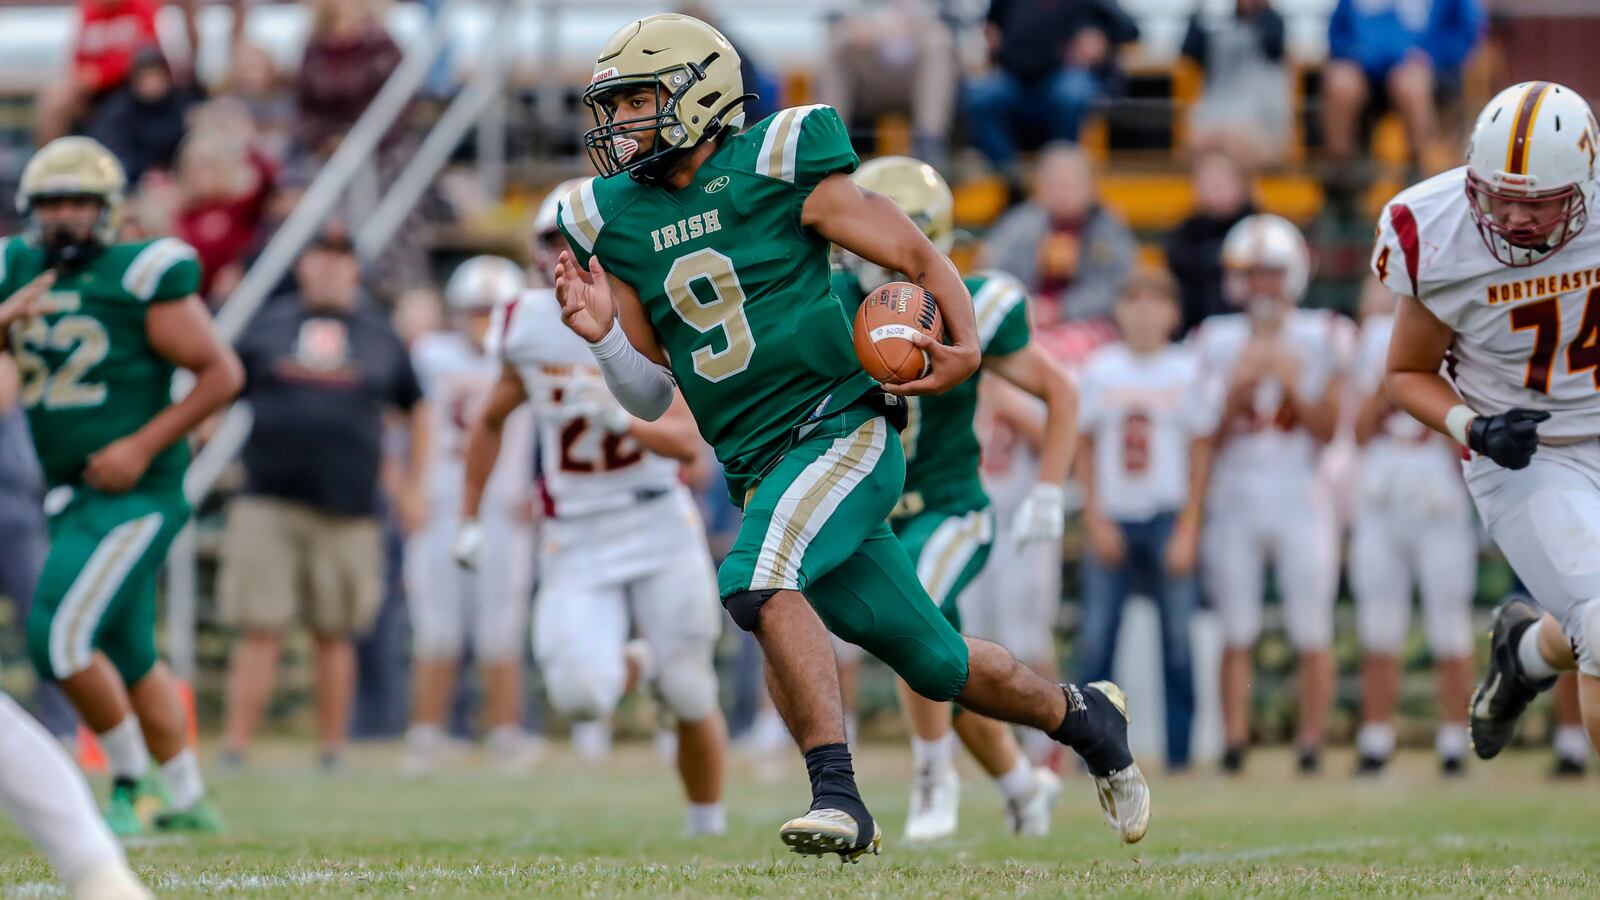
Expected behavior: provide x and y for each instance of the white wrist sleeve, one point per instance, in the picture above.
(1458, 420)
(643, 388)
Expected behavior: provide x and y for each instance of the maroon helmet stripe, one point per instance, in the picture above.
(1517, 157)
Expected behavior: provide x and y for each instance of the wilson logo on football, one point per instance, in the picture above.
(716, 184)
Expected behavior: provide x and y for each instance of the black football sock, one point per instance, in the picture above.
(1095, 728)
(833, 786)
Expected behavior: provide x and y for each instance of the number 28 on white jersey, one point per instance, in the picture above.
(585, 469)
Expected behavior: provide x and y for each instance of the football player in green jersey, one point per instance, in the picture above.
(98, 328)
(944, 518)
(714, 241)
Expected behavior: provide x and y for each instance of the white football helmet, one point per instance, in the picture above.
(482, 283)
(1264, 241)
(1530, 170)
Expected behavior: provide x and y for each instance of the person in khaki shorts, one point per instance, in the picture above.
(290, 563)
(323, 368)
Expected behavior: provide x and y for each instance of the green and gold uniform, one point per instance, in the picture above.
(943, 518)
(89, 377)
(737, 290)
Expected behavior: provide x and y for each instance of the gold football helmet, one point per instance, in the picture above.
(920, 192)
(918, 189)
(694, 72)
(77, 167)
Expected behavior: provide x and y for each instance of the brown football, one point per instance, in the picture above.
(884, 325)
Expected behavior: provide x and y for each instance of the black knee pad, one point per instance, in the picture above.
(745, 607)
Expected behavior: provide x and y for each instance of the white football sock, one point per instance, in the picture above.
(125, 750)
(592, 739)
(1451, 741)
(1376, 740)
(707, 819)
(182, 774)
(1533, 664)
(933, 755)
(43, 792)
(1572, 742)
(1015, 784)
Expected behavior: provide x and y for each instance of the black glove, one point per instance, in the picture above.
(1509, 438)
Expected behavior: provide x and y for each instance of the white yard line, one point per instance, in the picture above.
(292, 878)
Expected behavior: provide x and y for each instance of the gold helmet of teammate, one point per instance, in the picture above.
(694, 73)
(72, 168)
(920, 192)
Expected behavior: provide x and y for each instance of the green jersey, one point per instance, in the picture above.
(736, 288)
(89, 376)
(941, 444)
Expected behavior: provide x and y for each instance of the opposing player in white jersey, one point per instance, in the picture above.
(1412, 527)
(1498, 269)
(452, 607)
(44, 793)
(1274, 372)
(622, 546)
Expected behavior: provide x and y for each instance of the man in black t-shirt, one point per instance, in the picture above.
(324, 369)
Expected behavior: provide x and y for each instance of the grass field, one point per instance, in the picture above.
(569, 830)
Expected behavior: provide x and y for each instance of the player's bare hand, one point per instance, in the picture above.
(1183, 547)
(118, 466)
(411, 506)
(1284, 367)
(25, 302)
(1105, 540)
(585, 296)
(948, 366)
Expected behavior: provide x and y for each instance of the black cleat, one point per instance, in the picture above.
(1505, 692)
(1566, 767)
(1452, 766)
(1309, 760)
(1370, 766)
(1233, 761)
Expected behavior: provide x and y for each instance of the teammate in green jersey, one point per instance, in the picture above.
(715, 247)
(943, 517)
(97, 329)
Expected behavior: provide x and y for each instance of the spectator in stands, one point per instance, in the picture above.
(1052, 62)
(223, 186)
(347, 59)
(1070, 252)
(757, 78)
(1244, 109)
(893, 56)
(1142, 463)
(109, 33)
(255, 82)
(323, 368)
(1404, 49)
(143, 121)
(1194, 248)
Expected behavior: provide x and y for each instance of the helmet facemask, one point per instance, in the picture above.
(1526, 246)
(70, 245)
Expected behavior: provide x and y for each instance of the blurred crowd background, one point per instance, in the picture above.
(1083, 139)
